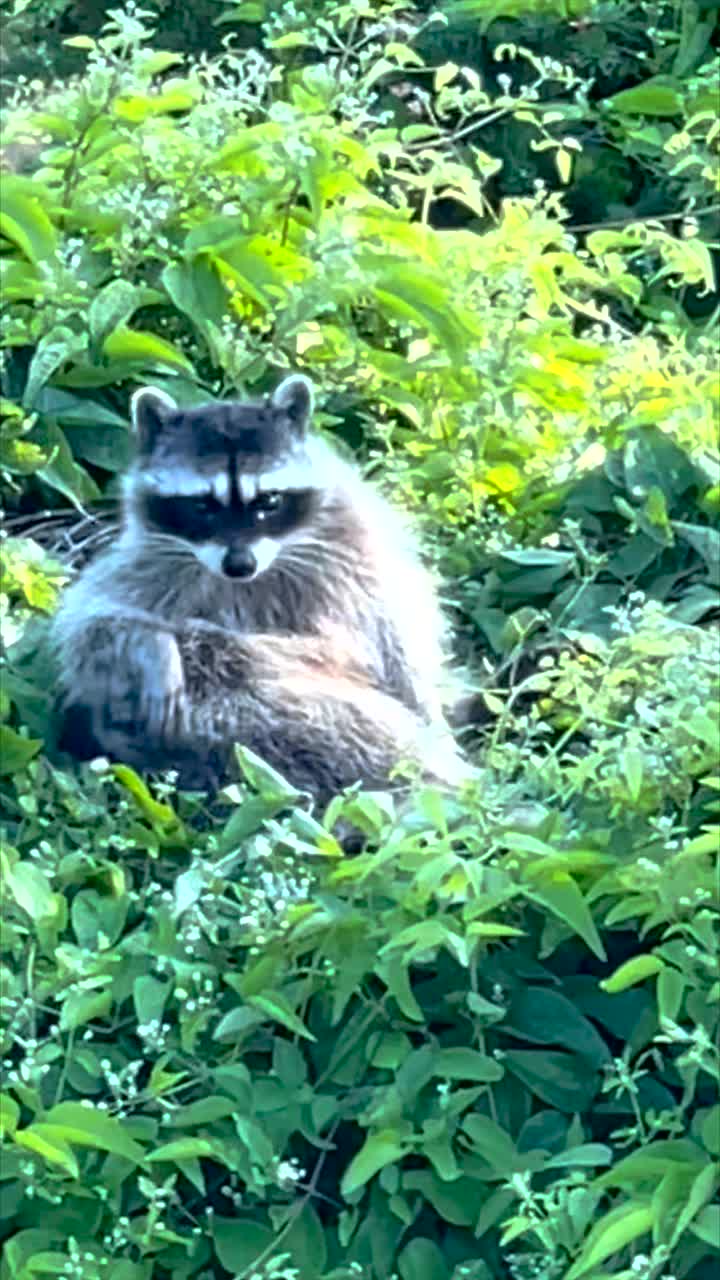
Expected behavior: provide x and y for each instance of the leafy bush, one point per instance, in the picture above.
(202, 227)
(485, 1046)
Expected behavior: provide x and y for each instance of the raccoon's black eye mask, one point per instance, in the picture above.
(204, 518)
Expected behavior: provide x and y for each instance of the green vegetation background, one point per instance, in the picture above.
(484, 1048)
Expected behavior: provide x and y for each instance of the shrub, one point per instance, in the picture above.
(483, 1046)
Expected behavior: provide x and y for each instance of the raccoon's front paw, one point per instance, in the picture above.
(441, 761)
(165, 705)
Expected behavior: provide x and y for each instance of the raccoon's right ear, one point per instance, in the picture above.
(293, 398)
(149, 409)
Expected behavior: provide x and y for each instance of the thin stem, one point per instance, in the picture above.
(295, 1210)
(633, 220)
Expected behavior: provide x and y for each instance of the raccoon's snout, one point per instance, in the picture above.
(239, 562)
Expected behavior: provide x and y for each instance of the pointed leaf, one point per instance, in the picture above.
(144, 349)
(24, 222)
(275, 1006)
(379, 1149)
(631, 972)
(558, 892)
(614, 1232)
(89, 1127)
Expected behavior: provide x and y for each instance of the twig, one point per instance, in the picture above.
(636, 219)
(295, 1210)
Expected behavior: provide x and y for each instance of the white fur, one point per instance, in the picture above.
(248, 487)
(290, 389)
(183, 482)
(212, 554)
(296, 474)
(265, 550)
(154, 393)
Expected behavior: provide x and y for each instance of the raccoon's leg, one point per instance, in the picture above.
(123, 694)
(313, 716)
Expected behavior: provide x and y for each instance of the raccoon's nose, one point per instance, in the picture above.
(239, 562)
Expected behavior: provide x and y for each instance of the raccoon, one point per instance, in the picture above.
(260, 592)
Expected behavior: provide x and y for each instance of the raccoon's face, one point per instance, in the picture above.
(234, 482)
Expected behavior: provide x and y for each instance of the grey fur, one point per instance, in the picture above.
(328, 663)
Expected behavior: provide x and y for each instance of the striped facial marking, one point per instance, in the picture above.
(202, 517)
(181, 481)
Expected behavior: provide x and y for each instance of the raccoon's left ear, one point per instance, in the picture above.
(149, 410)
(294, 399)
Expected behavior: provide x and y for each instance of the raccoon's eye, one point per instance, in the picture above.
(266, 504)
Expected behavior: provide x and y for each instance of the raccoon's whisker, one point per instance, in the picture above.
(167, 541)
(298, 569)
(307, 565)
(320, 553)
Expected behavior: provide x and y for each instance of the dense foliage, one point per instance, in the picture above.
(485, 1046)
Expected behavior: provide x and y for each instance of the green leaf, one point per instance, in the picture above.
(274, 1005)
(196, 290)
(379, 1150)
(9, 1114)
(145, 350)
(612, 1234)
(631, 972)
(77, 411)
(160, 815)
(494, 1208)
(62, 472)
(706, 541)
(81, 1007)
(646, 1165)
(47, 1263)
(53, 349)
(24, 222)
(262, 776)
(455, 1202)
(112, 306)
(203, 1111)
(184, 1149)
(547, 1017)
(157, 61)
(710, 1130)
(393, 971)
(85, 1126)
(137, 107)
(16, 752)
(653, 98)
(46, 1142)
(109, 448)
(706, 1225)
(239, 1242)
(417, 295)
(261, 267)
(306, 1244)
(560, 1079)
(467, 1064)
(492, 1143)
(587, 1155)
(702, 1190)
(29, 887)
(558, 892)
(237, 1023)
(149, 998)
(421, 1259)
(20, 280)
